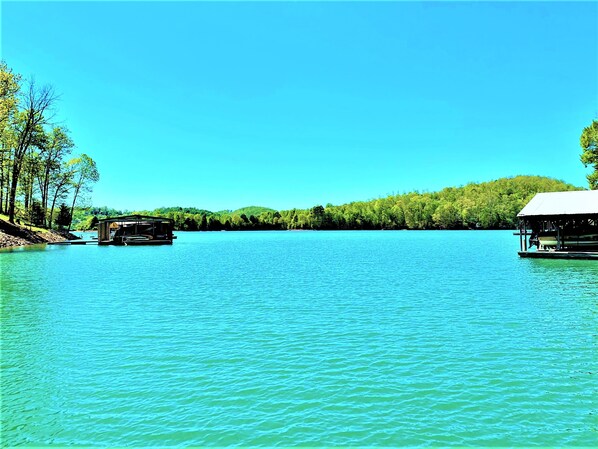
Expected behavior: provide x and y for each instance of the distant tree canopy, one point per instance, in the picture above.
(589, 155)
(488, 205)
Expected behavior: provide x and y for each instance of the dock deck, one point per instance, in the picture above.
(584, 255)
(75, 242)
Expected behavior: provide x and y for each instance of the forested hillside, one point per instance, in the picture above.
(488, 205)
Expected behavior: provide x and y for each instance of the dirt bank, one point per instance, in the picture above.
(15, 235)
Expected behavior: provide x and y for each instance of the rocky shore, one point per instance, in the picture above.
(15, 235)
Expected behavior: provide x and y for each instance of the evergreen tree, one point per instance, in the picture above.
(64, 216)
(36, 213)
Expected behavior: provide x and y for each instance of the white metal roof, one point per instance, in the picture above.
(562, 203)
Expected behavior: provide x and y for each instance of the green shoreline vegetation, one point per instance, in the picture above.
(486, 205)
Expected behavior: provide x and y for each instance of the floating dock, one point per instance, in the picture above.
(136, 230)
(75, 242)
(584, 255)
(561, 225)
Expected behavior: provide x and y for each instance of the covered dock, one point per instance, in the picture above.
(136, 230)
(560, 225)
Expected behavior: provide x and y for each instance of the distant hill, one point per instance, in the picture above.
(252, 210)
(172, 209)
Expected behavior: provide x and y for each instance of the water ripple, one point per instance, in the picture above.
(280, 339)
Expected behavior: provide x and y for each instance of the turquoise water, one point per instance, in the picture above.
(299, 338)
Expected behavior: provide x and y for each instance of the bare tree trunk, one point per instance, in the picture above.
(25, 185)
(12, 195)
(8, 178)
(30, 186)
(52, 209)
(59, 190)
(45, 188)
(7, 186)
(73, 206)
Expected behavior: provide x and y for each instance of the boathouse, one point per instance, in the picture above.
(560, 225)
(135, 230)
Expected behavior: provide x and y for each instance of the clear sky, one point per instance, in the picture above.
(288, 104)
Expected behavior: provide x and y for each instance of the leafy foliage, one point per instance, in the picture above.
(488, 205)
(589, 155)
(35, 173)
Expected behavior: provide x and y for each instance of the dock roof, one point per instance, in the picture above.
(584, 202)
(135, 218)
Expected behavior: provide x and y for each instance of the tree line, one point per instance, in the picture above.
(488, 205)
(38, 173)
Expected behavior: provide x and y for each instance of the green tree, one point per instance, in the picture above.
(589, 155)
(64, 216)
(203, 225)
(86, 173)
(10, 84)
(33, 173)
(447, 216)
(316, 217)
(37, 101)
(90, 223)
(35, 213)
(58, 145)
(60, 186)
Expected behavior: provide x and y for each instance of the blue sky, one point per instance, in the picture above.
(288, 104)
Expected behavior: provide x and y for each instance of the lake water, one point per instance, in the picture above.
(394, 338)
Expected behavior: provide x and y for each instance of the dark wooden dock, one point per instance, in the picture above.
(583, 255)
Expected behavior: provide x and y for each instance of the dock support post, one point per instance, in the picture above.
(558, 238)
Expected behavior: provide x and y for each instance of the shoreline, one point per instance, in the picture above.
(28, 237)
(18, 236)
